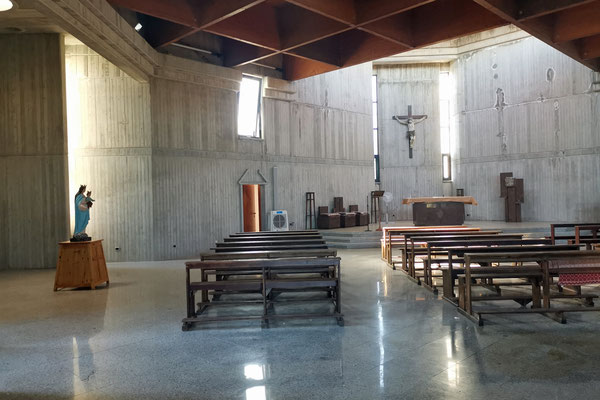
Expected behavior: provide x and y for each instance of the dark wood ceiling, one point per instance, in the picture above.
(302, 38)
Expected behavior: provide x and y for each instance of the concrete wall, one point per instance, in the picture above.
(316, 133)
(528, 109)
(164, 159)
(33, 148)
(520, 107)
(398, 87)
(109, 131)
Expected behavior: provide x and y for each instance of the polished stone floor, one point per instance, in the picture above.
(399, 342)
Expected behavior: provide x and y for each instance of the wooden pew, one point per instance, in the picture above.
(407, 262)
(279, 274)
(399, 233)
(266, 237)
(387, 238)
(247, 243)
(421, 239)
(554, 235)
(588, 241)
(455, 255)
(255, 254)
(465, 237)
(269, 247)
(275, 233)
(540, 276)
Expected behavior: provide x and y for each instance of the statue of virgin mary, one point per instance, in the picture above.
(83, 203)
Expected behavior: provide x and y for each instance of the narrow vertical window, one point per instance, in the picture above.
(445, 140)
(249, 107)
(446, 167)
(375, 128)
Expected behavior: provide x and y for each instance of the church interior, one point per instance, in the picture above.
(299, 199)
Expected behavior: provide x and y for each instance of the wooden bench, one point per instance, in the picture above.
(388, 238)
(407, 261)
(455, 256)
(261, 254)
(587, 240)
(540, 276)
(418, 244)
(247, 243)
(281, 274)
(272, 238)
(256, 254)
(571, 227)
(269, 247)
(275, 233)
(399, 233)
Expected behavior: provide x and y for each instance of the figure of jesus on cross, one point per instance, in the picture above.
(410, 121)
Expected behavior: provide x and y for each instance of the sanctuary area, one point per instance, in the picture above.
(299, 199)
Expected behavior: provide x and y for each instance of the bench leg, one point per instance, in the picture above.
(461, 293)
(447, 283)
(536, 293)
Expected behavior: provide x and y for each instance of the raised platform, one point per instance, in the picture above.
(357, 237)
(351, 239)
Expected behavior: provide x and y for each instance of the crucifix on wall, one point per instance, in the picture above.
(410, 121)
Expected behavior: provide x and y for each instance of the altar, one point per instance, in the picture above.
(428, 211)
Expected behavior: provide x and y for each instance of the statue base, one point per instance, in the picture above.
(80, 264)
(80, 237)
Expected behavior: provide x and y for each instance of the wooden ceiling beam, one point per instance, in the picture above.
(577, 23)
(397, 29)
(543, 28)
(256, 26)
(369, 11)
(326, 51)
(181, 18)
(209, 12)
(340, 10)
(449, 19)
(358, 46)
(528, 9)
(159, 32)
(506, 9)
(298, 26)
(177, 11)
(237, 53)
(295, 68)
(589, 48)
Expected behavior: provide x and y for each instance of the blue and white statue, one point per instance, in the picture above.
(82, 214)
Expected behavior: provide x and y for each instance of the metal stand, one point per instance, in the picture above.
(375, 205)
(369, 224)
(310, 210)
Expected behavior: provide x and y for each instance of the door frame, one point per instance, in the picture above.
(262, 183)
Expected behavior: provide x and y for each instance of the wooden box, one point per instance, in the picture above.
(328, 221)
(438, 213)
(362, 218)
(80, 264)
(347, 220)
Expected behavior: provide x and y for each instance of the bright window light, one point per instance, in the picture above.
(138, 27)
(249, 107)
(375, 128)
(446, 167)
(254, 372)
(445, 138)
(256, 393)
(5, 5)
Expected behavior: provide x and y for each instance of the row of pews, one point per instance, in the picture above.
(478, 270)
(250, 275)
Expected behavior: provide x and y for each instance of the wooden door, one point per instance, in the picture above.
(251, 196)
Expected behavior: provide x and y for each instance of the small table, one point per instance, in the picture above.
(80, 264)
(428, 211)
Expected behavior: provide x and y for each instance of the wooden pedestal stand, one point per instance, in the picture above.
(80, 264)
